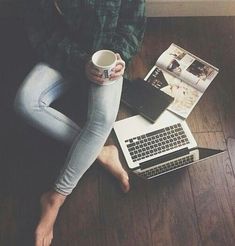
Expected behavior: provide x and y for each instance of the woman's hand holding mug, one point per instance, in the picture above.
(105, 67)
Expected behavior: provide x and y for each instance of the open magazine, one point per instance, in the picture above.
(183, 76)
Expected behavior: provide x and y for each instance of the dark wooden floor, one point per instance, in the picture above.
(193, 206)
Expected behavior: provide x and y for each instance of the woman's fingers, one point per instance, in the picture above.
(119, 69)
(93, 74)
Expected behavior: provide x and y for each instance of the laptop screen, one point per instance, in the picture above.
(181, 158)
(205, 153)
(187, 158)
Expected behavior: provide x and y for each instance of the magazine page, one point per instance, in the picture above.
(185, 96)
(187, 67)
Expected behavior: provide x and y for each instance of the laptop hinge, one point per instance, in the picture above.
(164, 158)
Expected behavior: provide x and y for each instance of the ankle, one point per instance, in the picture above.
(53, 198)
(107, 152)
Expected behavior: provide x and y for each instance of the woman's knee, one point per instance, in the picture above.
(109, 118)
(23, 103)
(109, 113)
(102, 117)
(32, 93)
(101, 123)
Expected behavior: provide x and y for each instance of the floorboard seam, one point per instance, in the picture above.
(195, 209)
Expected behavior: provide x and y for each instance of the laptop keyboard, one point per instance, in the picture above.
(167, 167)
(156, 142)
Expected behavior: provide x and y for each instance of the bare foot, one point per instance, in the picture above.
(110, 160)
(50, 205)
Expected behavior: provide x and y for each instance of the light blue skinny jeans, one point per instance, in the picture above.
(40, 88)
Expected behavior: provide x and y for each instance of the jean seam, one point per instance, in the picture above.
(82, 130)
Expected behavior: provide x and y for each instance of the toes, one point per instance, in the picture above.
(42, 239)
(38, 242)
(47, 242)
(125, 185)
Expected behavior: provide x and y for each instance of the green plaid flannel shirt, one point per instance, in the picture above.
(67, 41)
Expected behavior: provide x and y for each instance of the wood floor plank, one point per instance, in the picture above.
(231, 151)
(79, 220)
(213, 184)
(8, 228)
(205, 116)
(18, 216)
(225, 98)
(171, 207)
(124, 217)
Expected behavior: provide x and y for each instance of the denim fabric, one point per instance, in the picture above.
(40, 88)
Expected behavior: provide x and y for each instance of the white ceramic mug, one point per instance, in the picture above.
(105, 61)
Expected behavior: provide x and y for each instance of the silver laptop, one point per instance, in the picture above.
(151, 150)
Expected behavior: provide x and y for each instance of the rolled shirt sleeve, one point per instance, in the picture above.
(130, 30)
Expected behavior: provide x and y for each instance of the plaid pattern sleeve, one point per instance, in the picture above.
(130, 30)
